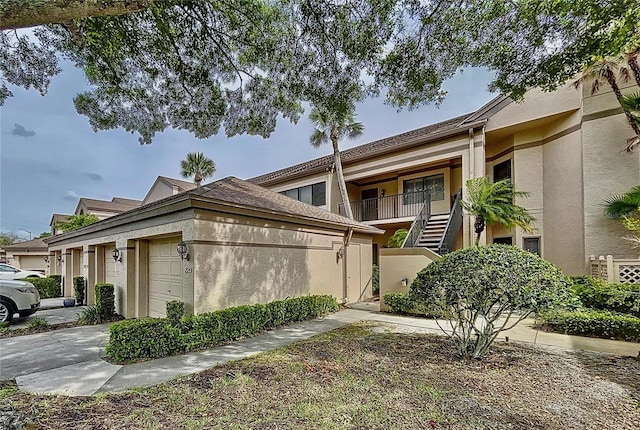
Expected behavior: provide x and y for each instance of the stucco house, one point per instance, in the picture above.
(104, 208)
(28, 255)
(224, 244)
(563, 147)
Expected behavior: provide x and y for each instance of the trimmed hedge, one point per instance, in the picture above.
(79, 286)
(105, 301)
(47, 287)
(156, 337)
(375, 280)
(402, 303)
(175, 311)
(592, 322)
(58, 279)
(599, 294)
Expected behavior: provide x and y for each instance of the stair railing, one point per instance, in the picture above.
(419, 223)
(448, 240)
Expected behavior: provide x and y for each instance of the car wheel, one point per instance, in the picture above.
(6, 311)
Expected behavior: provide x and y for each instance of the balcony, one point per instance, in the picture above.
(395, 206)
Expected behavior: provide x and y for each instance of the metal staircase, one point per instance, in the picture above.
(436, 232)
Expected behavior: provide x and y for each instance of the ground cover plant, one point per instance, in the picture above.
(367, 376)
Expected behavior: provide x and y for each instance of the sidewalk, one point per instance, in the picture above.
(89, 374)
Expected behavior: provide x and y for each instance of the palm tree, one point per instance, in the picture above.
(331, 125)
(493, 203)
(602, 68)
(621, 205)
(198, 166)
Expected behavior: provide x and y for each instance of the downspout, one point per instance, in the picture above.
(345, 279)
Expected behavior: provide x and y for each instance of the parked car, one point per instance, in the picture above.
(11, 272)
(17, 297)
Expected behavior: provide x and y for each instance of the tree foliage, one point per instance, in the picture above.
(494, 203)
(239, 64)
(75, 222)
(485, 290)
(7, 239)
(199, 166)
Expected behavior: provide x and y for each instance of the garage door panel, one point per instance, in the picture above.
(165, 275)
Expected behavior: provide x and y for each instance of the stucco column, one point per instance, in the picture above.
(67, 269)
(142, 278)
(480, 171)
(89, 272)
(129, 263)
(99, 264)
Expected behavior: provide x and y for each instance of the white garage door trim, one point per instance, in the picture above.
(165, 275)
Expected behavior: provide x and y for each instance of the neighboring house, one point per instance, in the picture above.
(56, 219)
(165, 187)
(103, 208)
(28, 255)
(564, 148)
(244, 244)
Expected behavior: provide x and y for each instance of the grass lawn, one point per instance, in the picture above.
(367, 376)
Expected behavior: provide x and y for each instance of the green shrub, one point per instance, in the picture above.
(47, 287)
(598, 294)
(89, 316)
(143, 338)
(175, 311)
(58, 279)
(375, 280)
(592, 322)
(79, 287)
(401, 303)
(158, 337)
(105, 301)
(479, 285)
(37, 323)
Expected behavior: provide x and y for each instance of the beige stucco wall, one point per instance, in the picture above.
(397, 264)
(159, 190)
(240, 261)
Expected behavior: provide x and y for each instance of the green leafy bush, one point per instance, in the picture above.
(375, 280)
(47, 287)
(143, 338)
(105, 301)
(89, 316)
(158, 337)
(592, 322)
(598, 294)
(481, 285)
(79, 286)
(401, 303)
(175, 311)
(58, 279)
(37, 323)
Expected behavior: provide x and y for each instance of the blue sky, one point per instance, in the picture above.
(50, 156)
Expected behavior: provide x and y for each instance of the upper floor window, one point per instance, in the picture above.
(502, 171)
(413, 187)
(315, 194)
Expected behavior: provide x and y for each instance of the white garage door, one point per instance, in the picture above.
(165, 275)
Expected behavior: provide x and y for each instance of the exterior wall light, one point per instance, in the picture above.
(46, 258)
(405, 282)
(59, 258)
(115, 253)
(183, 251)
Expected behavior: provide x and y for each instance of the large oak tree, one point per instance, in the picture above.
(239, 64)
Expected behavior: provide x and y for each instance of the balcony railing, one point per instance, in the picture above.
(387, 207)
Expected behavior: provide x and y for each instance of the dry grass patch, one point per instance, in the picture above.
(367, 376)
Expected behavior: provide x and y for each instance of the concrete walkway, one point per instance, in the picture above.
(70, 361)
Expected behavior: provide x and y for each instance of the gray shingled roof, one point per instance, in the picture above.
(239, 192)
(105, 205)
(182, 185)
(31, 245)
(372, 149)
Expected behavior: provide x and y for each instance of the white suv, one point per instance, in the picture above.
(11, 272)
(17, 297)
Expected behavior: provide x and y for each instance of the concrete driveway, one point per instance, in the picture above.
(24, 355)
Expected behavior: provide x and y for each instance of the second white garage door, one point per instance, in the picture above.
(165, 275)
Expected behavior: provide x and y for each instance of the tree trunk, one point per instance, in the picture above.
(632, 61)
(478, 227)
(31, 13)
(197, 179)
(341, 184)
(611, 79)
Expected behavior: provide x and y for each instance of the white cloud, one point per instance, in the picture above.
(71, 195)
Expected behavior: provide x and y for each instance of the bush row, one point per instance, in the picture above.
(598, 294)
(402, 303)
(47, 287)
(157, 337)
(592, 322)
